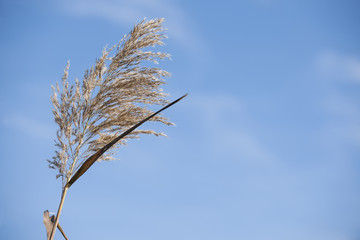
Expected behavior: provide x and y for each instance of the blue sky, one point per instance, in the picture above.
(266, 145)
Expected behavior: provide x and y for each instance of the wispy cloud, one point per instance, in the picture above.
(339, 66)
(130, 12)
(343, 113)
(225, 117)
(28, 125)
(343, 126)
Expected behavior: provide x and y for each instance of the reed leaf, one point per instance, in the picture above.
(92, 159)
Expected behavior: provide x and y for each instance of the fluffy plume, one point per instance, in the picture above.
(112, 96)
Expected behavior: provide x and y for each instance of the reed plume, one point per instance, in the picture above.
(112, 97)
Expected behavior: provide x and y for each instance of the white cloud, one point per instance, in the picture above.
(339, 66)
(342, 107)
(225, 118)
(130, 12)
(28, 126)
(342, 124)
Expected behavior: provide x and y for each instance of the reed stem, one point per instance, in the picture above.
(58, 213)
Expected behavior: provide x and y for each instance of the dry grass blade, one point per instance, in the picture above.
(91, 160)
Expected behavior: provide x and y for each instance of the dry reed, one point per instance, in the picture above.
(113, 96)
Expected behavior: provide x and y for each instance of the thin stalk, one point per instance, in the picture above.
(63, 198)
(88, 162)
(62, 231)
(58, 213)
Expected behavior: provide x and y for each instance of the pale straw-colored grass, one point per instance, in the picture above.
(113, 96)
(99, 113)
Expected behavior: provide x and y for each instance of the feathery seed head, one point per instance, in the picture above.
(112, 96)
